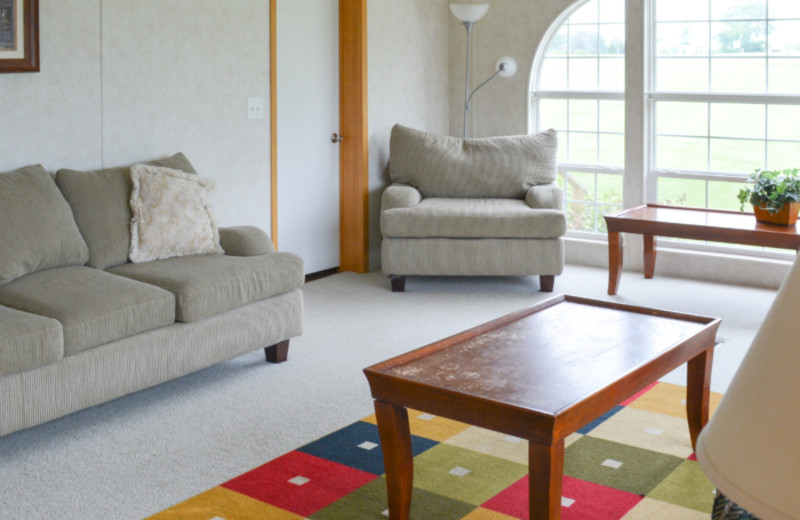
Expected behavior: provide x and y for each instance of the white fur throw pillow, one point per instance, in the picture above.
(171, 215)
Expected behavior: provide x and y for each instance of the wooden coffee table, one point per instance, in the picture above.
(540, 374)
(650, 220)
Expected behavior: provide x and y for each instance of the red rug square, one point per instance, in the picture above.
(299, 483)
(587, 501)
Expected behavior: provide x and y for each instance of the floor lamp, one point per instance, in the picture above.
(750, 449)
(506, 67)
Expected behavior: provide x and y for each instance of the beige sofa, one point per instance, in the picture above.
(81, 325)
(472, 207)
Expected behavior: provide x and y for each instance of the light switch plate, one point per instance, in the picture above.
(255, 108)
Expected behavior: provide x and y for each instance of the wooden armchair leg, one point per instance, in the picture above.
(546, 282)
(398, 283)
(277, 353)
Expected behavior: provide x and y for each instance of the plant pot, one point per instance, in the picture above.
(787, 216)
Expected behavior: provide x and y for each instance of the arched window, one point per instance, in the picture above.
(724, 83)
(578, 88)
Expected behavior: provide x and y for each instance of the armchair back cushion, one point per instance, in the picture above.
(100, 201)
(490, 167)
(37, 230)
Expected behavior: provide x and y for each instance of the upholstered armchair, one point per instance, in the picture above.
(472, 207)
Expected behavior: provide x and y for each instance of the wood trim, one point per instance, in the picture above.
(353, 126)
(354, 151)
(273, 121)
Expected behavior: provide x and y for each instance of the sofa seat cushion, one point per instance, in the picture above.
(28, 341)
(94, 307)
(207, 285)
(472, 218)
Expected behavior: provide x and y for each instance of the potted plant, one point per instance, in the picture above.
(774, 194)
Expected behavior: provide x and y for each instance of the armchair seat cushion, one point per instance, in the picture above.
(206, 285)
(472, 218)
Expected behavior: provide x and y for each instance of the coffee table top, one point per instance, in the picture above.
(563, 353)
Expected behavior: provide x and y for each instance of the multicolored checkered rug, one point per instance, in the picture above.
(634, 463)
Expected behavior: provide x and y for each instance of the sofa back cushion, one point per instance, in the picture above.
(37, 230)
(100, 200)
(489, 167)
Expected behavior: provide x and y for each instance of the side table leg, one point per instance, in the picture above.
(614, 261)
(395, 437)
(649, 256)
(698, 389)
(545, 471)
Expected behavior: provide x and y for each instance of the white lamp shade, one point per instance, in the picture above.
(510, 66)
(750, 448)
(469, 12)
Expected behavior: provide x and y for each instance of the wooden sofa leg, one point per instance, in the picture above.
(546, 282)
(398, 283)
(277, 353)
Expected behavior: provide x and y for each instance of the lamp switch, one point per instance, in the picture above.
(255, 108)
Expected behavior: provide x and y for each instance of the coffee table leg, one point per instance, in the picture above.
(545, 471)
(397, 457)
(649, 256)
(698, 390)
(614, 261)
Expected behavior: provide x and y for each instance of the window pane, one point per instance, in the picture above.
(564, 139)
(580, 186)
(682, 118)
(783, 155)
(742, 37)
(681, 153)
(612, 11)
(784, 9)
(612, 149)
(738, 9)
(612, 116)
(583, 74)
(583, 115)
(743, 75)
(722, 195)
(735, 120)
(583, 148)
(612, 74)
(558, 45)
(784, 122)
(587, 13)
(580, 217)
(554, 74)
(682, 39)
(609, 189)
(583, 40)
(553, 114)
(682, 192)
(612, 39)
(682, 9)
(783, 39)
(784, 76)
(682, 74)
(736, 155)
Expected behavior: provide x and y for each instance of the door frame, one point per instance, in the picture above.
(353, 127)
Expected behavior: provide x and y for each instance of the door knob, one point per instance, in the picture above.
(336, 138)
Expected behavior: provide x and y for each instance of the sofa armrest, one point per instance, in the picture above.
(245, 241)
(545, 196)
(400, 196)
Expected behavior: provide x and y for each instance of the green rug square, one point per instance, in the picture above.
(687, 486)
(619, 466)
(369, 503)
(463, 474)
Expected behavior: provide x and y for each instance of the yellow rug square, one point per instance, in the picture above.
(497, 444)
(649, 430)
(668, 398)
(429, 426)
(649, 509)
(225, 504)
(486, 514)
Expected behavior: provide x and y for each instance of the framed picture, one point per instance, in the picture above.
(19, 35)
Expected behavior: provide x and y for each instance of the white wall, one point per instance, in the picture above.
(123, 81)
(408, 53)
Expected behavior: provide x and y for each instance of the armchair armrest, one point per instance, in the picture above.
(400, 196)
(245, 241)
(545, 196)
